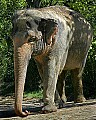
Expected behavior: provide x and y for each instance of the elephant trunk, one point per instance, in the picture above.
(21, 59)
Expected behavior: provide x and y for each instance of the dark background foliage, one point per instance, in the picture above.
(7, 7)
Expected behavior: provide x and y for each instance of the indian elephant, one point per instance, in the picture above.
(58, 39)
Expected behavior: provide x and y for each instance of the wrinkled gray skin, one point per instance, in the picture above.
(58, 39)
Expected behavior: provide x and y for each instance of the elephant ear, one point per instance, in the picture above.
(49, 28)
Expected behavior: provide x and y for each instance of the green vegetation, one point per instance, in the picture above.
(34, 94)
(7, 7)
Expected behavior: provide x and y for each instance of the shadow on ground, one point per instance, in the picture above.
(7, 111)
(11, 113)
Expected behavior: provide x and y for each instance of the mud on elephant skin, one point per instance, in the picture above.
(58, 39)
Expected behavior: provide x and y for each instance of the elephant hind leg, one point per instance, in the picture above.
(60, 90)
(78, 86)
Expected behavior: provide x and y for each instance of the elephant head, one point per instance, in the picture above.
(31, 36)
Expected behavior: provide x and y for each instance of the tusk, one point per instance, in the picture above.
(32, 42)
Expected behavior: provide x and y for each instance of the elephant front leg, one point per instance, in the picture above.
(49, 86)
(78, 86)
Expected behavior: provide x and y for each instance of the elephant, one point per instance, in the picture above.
(58, 39)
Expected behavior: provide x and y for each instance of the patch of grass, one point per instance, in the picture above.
(34, 94)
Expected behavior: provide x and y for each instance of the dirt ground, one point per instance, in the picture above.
(71, 111)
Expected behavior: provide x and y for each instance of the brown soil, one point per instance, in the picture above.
(71, 111)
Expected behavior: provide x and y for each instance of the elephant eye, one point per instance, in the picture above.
(31, 39)
(28, 24)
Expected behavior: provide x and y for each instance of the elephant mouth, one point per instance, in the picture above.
(40, 46)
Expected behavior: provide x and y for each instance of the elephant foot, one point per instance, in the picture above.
(80, 99)
(22, 114)
(62, 103)
(49, 108)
